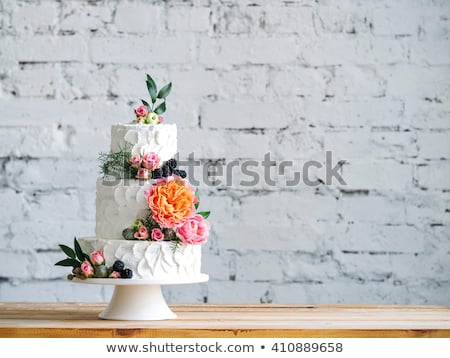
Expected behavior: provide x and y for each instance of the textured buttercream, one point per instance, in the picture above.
(118, 204)
(144, 138)
(149, 259)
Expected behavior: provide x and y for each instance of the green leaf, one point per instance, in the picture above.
(80, 254)
(164, 92)
(145, 103)
(68, 251)
(197, 194)
(205, 214)
(161, 108)
(68, 262)
(151, 87)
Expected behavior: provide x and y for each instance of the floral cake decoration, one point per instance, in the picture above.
(150, 113)
(172, 203)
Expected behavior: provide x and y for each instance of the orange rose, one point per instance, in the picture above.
(171, 202)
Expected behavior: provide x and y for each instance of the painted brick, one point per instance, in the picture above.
(243, 115)
(244, 50)
(188, 18)
(139, 18)
(292, 79)
(47, 48)
(140, 49)
(35, 18)
(433, 175)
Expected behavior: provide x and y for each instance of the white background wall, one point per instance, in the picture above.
(368, 80)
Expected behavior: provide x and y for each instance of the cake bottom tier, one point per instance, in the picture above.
(149, 259)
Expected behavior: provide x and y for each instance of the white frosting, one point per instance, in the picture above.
(118, 204)
(144, 138)
(148, 259)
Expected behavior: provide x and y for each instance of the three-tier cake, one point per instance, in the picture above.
(147, 221)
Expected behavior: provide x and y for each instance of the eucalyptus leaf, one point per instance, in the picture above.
(164, 92)
(68, 262)
(145, 103)
(205, 214)
(68, 251)
(80, 254)
(161, 108)
(151, 87)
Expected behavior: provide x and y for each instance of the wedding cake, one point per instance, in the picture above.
(147, 221)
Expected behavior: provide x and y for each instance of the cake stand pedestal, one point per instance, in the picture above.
(139, 300)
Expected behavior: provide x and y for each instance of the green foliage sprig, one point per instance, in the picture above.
(156, 96)
(74, 256)
(117, 164)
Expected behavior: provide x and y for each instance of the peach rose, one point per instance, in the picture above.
(194, 231)
(171, 202)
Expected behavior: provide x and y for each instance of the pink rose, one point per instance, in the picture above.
(135, 161)
(142, 233)
(142, 174)
(114, 274)
(157, 234)
(97, 257)
(87, 269)
(141, 111)
(151, 161)
(160, 119)
(194, 230)
(140, 119)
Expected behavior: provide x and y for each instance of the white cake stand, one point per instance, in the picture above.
(139, 300)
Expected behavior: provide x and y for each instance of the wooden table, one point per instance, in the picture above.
(79, 320)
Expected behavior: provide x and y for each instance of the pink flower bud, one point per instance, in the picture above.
(135, 161)
(114, 274)
(97, 257)
(141, 111)
(157, 234)
(142, 174)
(142, 233)
(160, 119)
(87, 270)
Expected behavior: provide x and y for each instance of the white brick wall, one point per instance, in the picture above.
(367, 80)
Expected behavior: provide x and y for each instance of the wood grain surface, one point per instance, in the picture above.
(80, 320)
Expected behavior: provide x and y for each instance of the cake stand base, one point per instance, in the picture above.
(143, 302)
(138, 300)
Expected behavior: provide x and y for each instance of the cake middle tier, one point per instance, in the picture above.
(144, 138)
(118, 204)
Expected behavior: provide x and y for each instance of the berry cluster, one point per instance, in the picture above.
(119, 268)
(167, 169)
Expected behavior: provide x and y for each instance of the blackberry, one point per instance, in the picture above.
(165, 171)
(127, 273)
(118, 266)
(180, 173)
(172, 163)
(157, 173)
